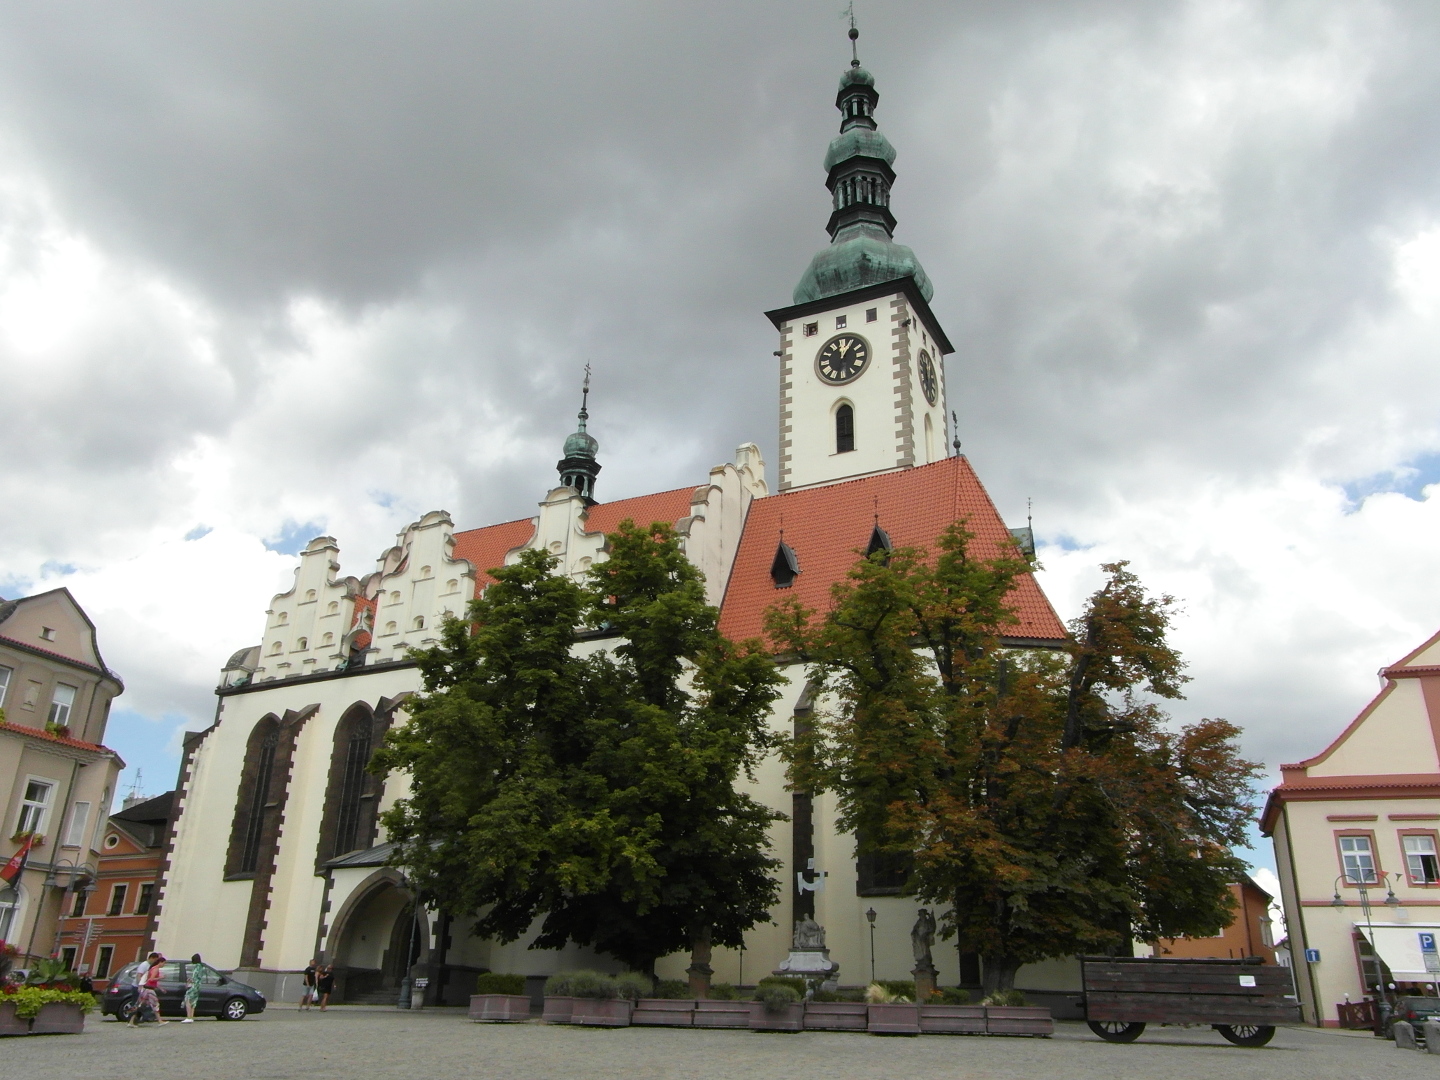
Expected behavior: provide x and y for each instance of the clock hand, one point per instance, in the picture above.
(843, 346)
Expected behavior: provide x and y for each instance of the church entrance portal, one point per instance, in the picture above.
(375, 943)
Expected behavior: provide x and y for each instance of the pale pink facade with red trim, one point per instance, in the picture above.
(1364, 810)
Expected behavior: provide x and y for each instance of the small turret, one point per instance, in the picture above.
(578, 468)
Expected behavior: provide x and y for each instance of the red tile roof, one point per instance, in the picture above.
(667, 506)
(486, 547)
(828, 528)
(41, 733)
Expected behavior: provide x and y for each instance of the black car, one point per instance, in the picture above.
(220, 996)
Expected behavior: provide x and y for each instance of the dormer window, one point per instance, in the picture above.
(785, 568)
(879, 541)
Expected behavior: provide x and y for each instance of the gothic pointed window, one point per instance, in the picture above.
(844, 429)
(352, 793)
(254, 799)
(785, 568)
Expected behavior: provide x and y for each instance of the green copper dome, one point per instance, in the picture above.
(581, 444)
(859, 142)
(855, 75)
(861, 255)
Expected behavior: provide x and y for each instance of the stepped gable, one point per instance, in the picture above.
(829, 526)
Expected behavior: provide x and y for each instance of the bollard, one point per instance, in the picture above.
(1404, 1034)
(1431, 1030)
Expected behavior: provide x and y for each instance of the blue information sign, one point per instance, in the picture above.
(1312, 956)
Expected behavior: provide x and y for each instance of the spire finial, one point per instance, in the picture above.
(854, 35)
(585, 398)
(955, 427)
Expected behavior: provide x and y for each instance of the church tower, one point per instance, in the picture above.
(578, 468)
(862, 384)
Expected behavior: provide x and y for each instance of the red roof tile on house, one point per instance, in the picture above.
(828, 528)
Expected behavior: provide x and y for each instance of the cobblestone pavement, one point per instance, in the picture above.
(284, 1044)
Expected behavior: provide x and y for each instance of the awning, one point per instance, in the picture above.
(1398, 944)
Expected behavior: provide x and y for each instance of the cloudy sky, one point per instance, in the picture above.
(275, 269)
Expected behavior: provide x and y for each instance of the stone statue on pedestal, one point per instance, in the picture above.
(809, 958)
(922, 936)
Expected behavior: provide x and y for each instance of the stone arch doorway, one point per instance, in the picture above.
(375, 941)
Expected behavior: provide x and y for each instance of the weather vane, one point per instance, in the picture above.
(849, 13)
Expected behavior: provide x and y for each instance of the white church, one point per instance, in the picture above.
(276, 854)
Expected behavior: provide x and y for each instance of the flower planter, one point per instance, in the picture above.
(1019, 1020)
(786, 1018)
(10, 1024)
(601, 1012)
(836, 1016)
(58, 1018)
(558, 1009)
(722, 1014)
(896, 1019)
(952, 1019)
(663, 1012)
(499, 1008)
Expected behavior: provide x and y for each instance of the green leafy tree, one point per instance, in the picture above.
(597, 792)
(1041, 798)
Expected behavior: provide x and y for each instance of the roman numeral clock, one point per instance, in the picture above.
(842, 358)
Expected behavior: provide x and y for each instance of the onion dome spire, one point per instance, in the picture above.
(578, 468)
(859, 164)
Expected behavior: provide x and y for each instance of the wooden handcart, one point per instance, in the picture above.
(1241, 999)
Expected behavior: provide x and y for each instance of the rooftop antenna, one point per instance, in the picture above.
(135, 786)
(854, 34)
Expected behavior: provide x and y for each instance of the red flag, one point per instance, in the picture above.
(16, 866)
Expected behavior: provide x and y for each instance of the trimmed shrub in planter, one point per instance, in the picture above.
(726, 1013)
(836, 1016)
(632, 985)
(10, 1024)
(59, 1018)
(1018, 1020)
(952, 1019)
(664, 1012)
(777, 1007)
(489, 982)
(893, 1018)
(602, 1012)
(559, 999)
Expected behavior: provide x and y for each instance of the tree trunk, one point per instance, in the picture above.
(700, 970)
(999, 974)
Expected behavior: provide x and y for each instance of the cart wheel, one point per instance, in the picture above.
(1246, 1034)
(1117, 1031)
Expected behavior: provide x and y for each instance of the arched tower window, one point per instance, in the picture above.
(929, 439)
(257, 777)
(844, 429)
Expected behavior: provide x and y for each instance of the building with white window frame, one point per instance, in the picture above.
(1356, 830)
(56, 775)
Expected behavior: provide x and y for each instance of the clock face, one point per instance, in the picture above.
(843, 358)
(929, 384)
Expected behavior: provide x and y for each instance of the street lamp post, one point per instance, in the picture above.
(870, 915)
(1355, 878)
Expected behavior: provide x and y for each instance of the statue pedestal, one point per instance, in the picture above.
(811, 965)
(925, 976)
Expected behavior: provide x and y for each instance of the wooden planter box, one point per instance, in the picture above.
(10, 1024)
(58, 1018)
(836, 1016)
(722, 1014)
(499, 1008)
(1018, 1020)
(786, 1018)
(601, 1012)
(894, 1019)
(952, 1019)
(663, 1012)
(558, 1009)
